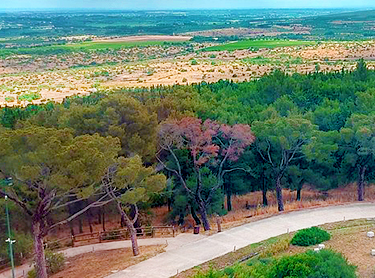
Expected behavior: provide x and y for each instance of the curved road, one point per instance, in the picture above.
(192, 254)
(187, 250)
(172, 243)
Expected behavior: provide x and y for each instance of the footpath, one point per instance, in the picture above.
(191, 254)
(172, 243)
(187, 250)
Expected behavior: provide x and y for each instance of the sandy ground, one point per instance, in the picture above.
(53, 78)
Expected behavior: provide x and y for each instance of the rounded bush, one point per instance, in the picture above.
(310, 236)
(310, 264)
(325, 263)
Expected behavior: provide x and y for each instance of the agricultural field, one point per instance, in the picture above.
(98, 45)
(40, 78)
(257, 44)
(183, 121)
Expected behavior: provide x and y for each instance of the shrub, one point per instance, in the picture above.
(55, 263)
(23, 247)
(311, 236)
(325, 263)
(279, 246)
(29, 96)
(194, 62)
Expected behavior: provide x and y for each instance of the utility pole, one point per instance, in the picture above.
(8, 182)
(11, 242)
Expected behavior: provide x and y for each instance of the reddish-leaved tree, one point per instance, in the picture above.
(207, 142)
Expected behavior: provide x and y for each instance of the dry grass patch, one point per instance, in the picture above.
(102, 263)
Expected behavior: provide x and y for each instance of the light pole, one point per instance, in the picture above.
(9, 240)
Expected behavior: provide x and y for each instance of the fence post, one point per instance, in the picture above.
(73, 239)
(173, 228)
(218, 221)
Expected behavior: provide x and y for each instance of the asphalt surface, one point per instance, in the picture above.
(187, 250)
(170, 263)
(172, 243)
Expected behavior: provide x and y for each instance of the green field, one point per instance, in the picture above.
(74, 47)
(256, 44)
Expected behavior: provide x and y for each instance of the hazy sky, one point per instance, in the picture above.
(183, 4)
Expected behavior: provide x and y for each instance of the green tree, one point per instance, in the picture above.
(357, 149)
(129, 183)
(49, 166)
(210, 144)
(279, 143)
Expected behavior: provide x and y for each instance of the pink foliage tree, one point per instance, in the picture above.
(207, 142)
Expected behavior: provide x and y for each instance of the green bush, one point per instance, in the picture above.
(194, 62)
(310, 236)
(55, 262)
(31, 273)
(29, 96)
(22, 249)
(325, 263)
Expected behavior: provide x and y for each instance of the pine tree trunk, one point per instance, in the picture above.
(169, 202)
(279, 193)
(195, 216)
(40, 260)
(132, 231)
(89, 220)
(264, 193)
(361, 183)
(203, 213)
(298, 194)
(71, 227)
(103, 220)
(80, 224)
(229, 198)
(100, 215)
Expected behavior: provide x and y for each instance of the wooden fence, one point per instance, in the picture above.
(120, 234)
(4, 263)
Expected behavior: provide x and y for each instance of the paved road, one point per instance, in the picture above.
(172, 243)
(192, 254)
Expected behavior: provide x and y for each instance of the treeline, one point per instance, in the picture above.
(189, 146)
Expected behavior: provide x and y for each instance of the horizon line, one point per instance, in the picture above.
(182, 9)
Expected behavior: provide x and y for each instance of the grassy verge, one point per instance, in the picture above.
(257, 44)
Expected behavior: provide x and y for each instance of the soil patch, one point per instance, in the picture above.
(103, 263)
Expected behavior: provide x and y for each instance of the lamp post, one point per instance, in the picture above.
(9, 240)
